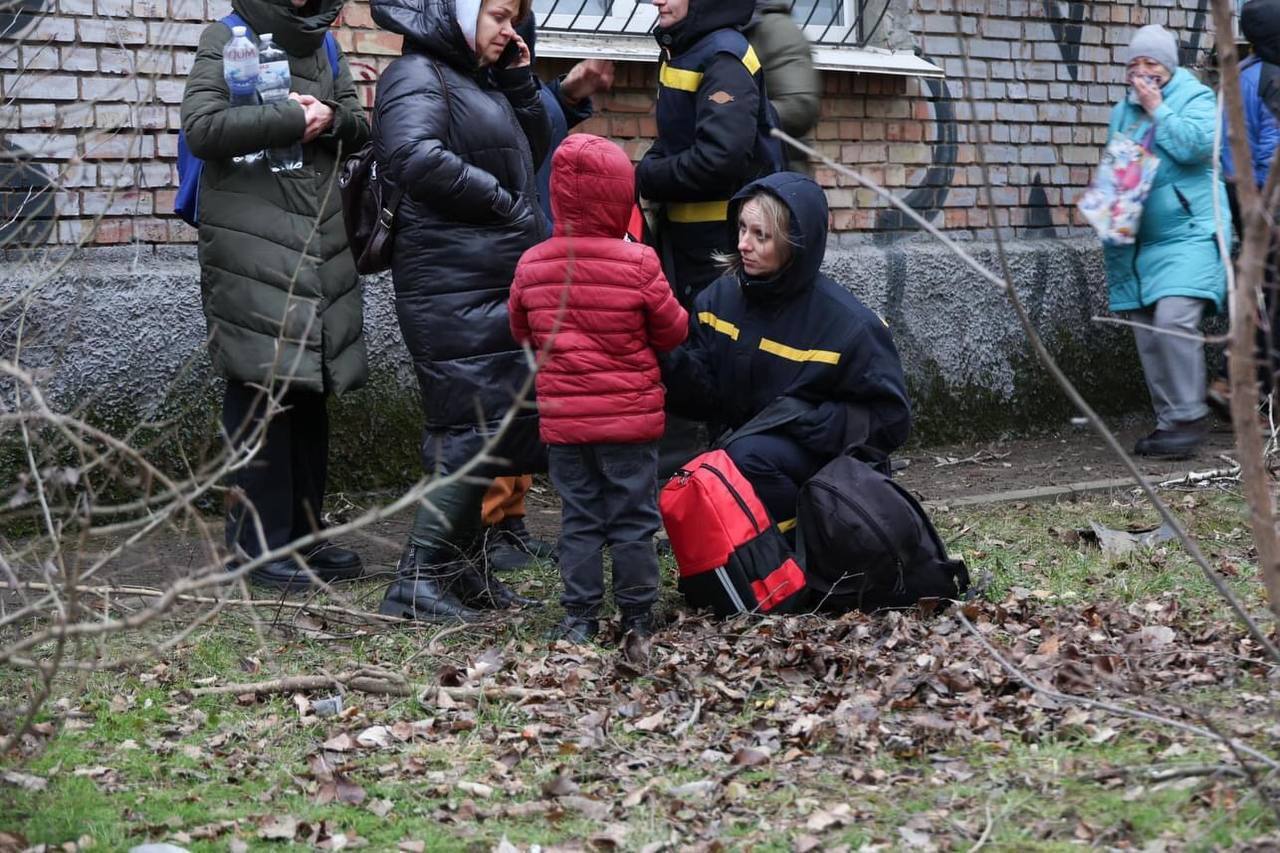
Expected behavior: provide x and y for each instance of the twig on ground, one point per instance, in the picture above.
(430, 696)
(1192, 477)
(679, 730)
(980, 458)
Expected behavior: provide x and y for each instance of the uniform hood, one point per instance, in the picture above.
(705, 16)
(808, 206)
(430, 26)
(299, 32)
(1260, 23)
(593, 187)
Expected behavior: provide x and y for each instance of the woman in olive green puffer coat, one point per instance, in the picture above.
(278, 283)
(273, 247)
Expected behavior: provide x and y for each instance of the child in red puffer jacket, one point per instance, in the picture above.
(596, 307)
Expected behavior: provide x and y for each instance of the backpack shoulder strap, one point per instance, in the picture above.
(234, 20)
(1269, 87)
(331, 49)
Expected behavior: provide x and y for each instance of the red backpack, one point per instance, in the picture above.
(731, 557)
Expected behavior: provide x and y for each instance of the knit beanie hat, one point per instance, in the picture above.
(467, 12)
(1156, 42)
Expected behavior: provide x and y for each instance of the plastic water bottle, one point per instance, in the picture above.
(240, 70)
(273, 87)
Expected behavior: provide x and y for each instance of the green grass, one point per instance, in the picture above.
(1049, 785)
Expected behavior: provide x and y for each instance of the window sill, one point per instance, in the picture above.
(642, 48)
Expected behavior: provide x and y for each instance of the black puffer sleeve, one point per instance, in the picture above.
(521, 89)
(411, 129)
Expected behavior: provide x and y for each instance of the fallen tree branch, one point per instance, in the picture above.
(1201, 477)
(149, 592)
(429, 697)
(369, 680)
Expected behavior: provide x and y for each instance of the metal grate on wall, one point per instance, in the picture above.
(827, 23)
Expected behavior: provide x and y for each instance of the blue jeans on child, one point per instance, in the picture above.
(609, 494)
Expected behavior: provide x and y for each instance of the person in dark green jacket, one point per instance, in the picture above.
(279, 285)
(792, 83)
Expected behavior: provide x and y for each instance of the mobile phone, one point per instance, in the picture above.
(510, 54)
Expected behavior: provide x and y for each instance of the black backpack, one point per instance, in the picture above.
(866, 543)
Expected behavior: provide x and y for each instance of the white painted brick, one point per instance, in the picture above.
(75, 7)
(79, 59)
(75, 115)
(51, 28)
(46, 146)
(111, 31)
(40, 86)
(113, 89)
(171, 34)
(149, 9)
(37, 115)
(114, 60)
(187, 10)
(39, 57)
(114, 8)
(116, 203)
(155, 60)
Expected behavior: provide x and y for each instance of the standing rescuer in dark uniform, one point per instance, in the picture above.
(713, 134)
(713, 138)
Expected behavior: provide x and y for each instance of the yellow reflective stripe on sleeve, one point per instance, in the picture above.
(793, 354)
(751, 60)
(679, 78)
(784, 526)
(706, 318)
(698, 211)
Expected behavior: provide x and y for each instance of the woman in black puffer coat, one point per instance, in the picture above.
(460, 128)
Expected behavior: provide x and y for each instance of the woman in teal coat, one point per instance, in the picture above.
(1173, 273)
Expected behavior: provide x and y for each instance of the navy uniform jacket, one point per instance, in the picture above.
(713, 120)
(797, 347)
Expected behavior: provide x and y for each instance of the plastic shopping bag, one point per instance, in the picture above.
(1113, 202)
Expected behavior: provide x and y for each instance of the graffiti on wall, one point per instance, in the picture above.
(927, 198)
(26, 200)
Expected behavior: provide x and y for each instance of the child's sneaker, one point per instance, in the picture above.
(574, 629)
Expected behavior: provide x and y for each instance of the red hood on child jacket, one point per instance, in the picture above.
(595, 305)
(593, 188)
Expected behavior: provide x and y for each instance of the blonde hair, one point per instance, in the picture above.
(777, 218)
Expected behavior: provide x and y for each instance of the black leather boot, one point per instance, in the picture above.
(333, 562)
(478, 588)
(422, 591)
(574, 629)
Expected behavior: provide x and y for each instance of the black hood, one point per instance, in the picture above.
(705, 16)
(1260, 23)
(299, 32)
(808, 205)
(430, 26)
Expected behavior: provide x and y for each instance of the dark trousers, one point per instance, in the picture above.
(777, 467)
(284, 483)
(609, 494)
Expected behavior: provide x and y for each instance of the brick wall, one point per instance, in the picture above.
(91, 90)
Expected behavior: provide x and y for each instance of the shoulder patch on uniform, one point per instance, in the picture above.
(721, 97)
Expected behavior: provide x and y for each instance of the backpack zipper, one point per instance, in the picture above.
(746, 510)
(901, 586)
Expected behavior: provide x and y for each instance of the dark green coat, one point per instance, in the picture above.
(794, 87)
(279, 285)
